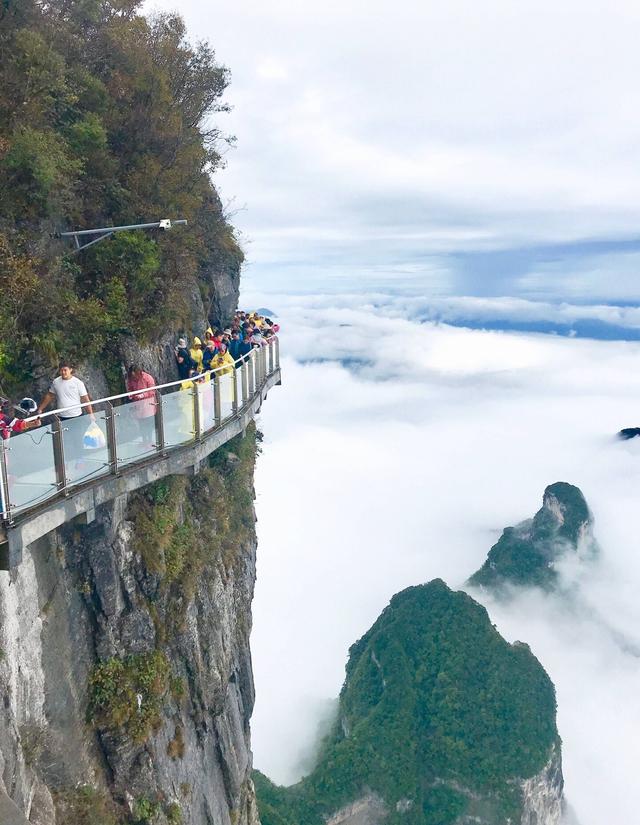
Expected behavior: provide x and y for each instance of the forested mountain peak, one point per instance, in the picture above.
(526, 554)
(439, 718)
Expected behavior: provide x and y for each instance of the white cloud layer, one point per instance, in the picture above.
(407, 468)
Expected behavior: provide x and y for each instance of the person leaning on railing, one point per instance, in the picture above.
(11, 424)
(69, 392)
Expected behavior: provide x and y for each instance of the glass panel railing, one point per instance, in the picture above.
(251, 367)
(243, 382)
(177, 416)
(85, 447)
(207, 406)
(259, 364)
(135, 428)
(227, 395)
(31, 473)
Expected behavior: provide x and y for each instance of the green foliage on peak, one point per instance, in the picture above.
(107, 117)
(525, 554)
(437, 712)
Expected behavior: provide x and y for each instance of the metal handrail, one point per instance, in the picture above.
(220, 370)
(245, 388)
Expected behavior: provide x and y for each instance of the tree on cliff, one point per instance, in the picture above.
(106, 117)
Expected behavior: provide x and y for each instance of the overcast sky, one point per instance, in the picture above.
(403, 135)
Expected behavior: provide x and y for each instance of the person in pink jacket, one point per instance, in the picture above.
(139, 384)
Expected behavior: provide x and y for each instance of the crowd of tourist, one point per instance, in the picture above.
(222, 351)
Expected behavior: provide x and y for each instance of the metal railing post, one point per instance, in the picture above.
(270, 357)
(217, 401)
(159, 420)
(244, 369)
(4, 483)
(112, 446)
(234, 386)
(277, 346)
(197, 424)
(251, 364)
(263, 364)
(58, 454)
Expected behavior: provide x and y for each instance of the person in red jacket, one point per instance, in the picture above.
(139, 386)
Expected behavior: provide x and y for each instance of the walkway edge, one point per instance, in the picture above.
(82, 503)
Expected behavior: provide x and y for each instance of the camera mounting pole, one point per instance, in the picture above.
(106, 231)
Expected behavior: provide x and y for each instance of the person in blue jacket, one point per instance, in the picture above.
(207, 356)
(244, 348)
(234, 345)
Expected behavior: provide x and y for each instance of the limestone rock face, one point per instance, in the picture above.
(95, 594)
(527, 553)
(370, 810)
(542, 794)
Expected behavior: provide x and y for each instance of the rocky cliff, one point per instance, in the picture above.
(125, 671)
(527, 553)
(441, 721)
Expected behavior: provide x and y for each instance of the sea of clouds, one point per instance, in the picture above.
(395, 452)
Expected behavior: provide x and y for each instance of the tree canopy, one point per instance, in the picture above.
(106, 117)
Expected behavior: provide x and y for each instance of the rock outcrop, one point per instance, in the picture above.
(542, 801)
(441, 722)
(526, 554)
(125, 671)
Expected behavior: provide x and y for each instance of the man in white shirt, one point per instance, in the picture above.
(69, 392)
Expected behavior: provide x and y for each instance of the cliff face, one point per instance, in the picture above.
(125, 671)
(527, 553)
(441, 722)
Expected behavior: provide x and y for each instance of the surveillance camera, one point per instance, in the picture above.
(166, 224)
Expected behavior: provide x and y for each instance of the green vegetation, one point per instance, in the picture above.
(116, 686)
(105, 118)
(174, 814)
(525, 554)
(86, 805)
(145, 811)
(182, 527)
(434, 700)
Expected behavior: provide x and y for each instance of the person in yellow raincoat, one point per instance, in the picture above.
(196, 353)
(223, 365)
(222, 362)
